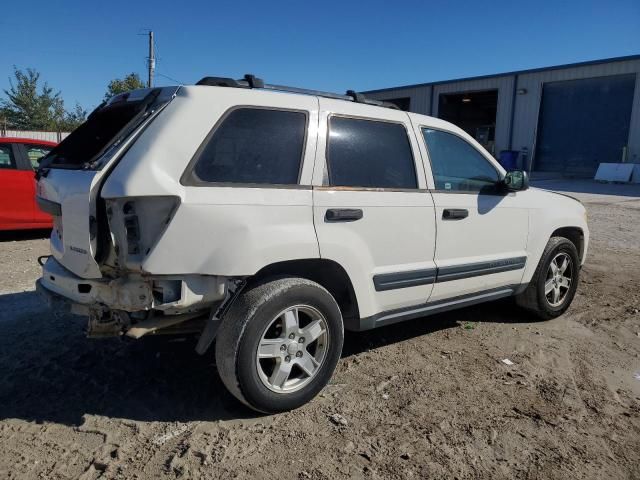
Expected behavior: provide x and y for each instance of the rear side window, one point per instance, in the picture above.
(254, 146)
(367, 153)
(6, 157)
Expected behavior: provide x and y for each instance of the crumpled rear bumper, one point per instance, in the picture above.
(130, 294)
(124, 294)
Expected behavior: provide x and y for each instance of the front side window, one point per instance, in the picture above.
(456, 165)
(367, 153)
(6, 157)
(254, 146)
(35, 153)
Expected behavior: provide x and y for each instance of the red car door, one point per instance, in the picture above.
(16, 191)
(33, 152)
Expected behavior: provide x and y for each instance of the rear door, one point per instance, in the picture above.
(482, 230)
(372, 212)
(16, 190)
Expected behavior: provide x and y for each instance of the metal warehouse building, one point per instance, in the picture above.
(564, 119)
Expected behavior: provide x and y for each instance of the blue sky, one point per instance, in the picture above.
(78, 46)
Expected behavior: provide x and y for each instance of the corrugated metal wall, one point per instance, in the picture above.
(47, 136)
(527, 105)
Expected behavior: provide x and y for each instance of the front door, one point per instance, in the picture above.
(482, 231)
(16, 191)
(372, 212)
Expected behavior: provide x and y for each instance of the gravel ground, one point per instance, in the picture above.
(427, 398)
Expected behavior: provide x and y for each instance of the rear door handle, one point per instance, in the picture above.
(455, 213)
(343, 215)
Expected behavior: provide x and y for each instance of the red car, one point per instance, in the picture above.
(18, 160)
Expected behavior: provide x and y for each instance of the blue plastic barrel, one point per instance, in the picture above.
(509, 159)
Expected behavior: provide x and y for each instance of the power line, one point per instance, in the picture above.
(160, 60)
(153, 59)
(169, 78)
(158, 56)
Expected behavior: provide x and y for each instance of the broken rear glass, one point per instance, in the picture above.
(107, 126)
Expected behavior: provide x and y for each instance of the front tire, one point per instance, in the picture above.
(279, 344)
(554, 283)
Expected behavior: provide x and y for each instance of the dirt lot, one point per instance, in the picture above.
(428, 398)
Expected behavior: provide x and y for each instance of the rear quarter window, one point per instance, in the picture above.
(252, 146)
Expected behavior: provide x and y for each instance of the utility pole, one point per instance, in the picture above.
(151, 61)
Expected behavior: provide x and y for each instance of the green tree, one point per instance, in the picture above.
(121, 85)
(28, 107)
(71, 119)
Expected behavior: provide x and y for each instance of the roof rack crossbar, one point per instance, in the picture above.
(251, 81)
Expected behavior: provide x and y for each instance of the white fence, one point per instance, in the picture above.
(48, 136)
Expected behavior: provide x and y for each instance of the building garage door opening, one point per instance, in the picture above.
(474, 112)
(583, 123)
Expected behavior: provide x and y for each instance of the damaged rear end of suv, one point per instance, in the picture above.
(106, 227)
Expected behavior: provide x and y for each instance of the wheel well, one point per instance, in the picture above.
(327, 273)
(574, 234)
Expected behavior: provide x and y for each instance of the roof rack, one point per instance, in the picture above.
(251, 81)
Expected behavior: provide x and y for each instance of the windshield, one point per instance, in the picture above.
(106, 127)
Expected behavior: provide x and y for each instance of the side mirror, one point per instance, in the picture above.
(516, 180)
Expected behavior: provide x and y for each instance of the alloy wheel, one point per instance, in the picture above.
(292, 349)
(558, 280)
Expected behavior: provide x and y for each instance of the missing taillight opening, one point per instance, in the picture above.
(132, 228)
(135, 228)
(133, 233)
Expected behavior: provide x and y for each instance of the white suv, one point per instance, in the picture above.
(270, 219)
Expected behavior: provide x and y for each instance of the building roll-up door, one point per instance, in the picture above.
(583, 123)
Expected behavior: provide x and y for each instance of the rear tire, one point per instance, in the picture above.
(279, 344)
(554, 283)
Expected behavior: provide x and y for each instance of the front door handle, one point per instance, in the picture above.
(455, 213)
(343, 215)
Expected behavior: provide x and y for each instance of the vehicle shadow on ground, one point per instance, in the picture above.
(501, 311)
(53, 373)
